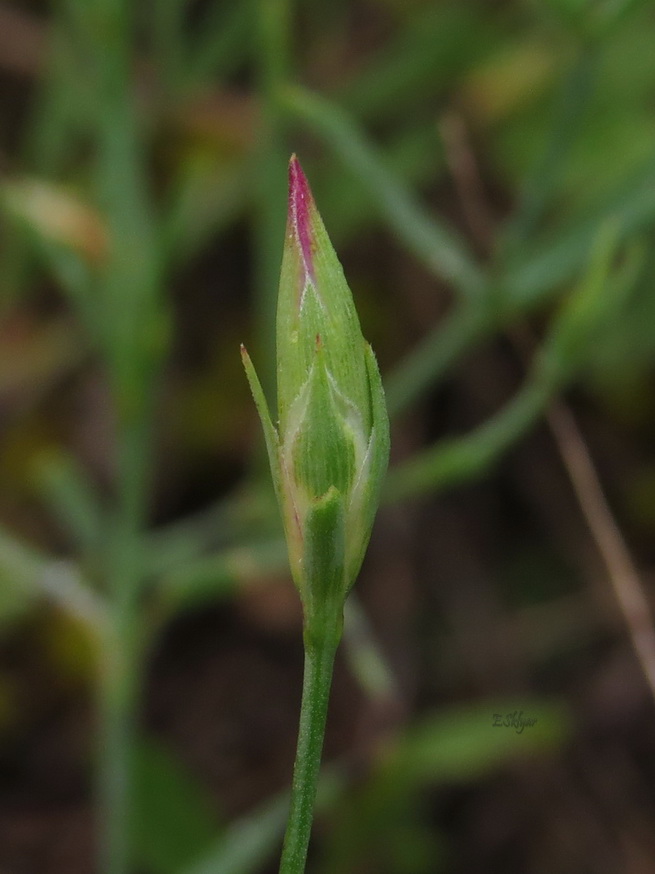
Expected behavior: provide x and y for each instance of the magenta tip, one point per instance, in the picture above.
(300, 200)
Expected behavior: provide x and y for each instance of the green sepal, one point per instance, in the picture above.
(323, 450)
(324, 555)
(368, 485)
(270, 433)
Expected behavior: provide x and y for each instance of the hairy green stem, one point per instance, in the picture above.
(319, 660)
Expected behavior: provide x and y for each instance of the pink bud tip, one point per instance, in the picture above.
(300, 202)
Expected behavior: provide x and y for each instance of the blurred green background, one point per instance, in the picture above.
(486, 171)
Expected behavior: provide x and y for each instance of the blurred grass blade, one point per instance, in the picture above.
(247, 843)
(167, 35)
(236, 519)
(20, 570)
(455, 746)
(465, 744)
(411, 154)
(367, 661)
(434, 354)
(271, 43)
(591, 310)
(250, 841)
(593, 307)
(209, 194)
(457, 460)
(27, 575)
(66, 232)
(219, 44)
(610, 14)
(173, 819)
(436, 43)
(64, 109)
(538, 273)
(524, 286)
(220, 575)
(72, 500)
(436, 245)
(568, 115)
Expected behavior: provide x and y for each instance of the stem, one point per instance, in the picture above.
(319, 660)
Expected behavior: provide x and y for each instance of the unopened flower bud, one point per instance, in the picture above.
(329, 453)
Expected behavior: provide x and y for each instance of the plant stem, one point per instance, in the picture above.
(319, 660)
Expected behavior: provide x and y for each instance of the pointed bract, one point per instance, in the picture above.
(270, 434)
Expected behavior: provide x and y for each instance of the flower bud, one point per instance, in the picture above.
(329, 453)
